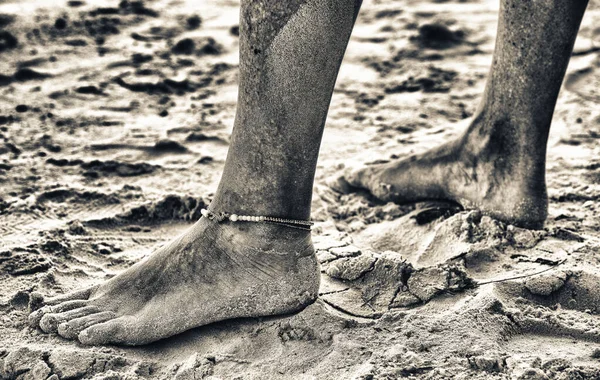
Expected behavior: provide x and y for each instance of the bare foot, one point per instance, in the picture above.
(213, 272)
(479, 170)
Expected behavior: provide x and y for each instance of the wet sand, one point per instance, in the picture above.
(114, 125)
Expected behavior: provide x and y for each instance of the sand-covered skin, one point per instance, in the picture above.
(114, 126)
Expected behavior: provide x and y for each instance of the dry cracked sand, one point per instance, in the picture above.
(114, 125)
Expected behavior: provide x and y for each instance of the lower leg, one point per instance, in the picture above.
(288, 69)
(498, 164)
(290, 52)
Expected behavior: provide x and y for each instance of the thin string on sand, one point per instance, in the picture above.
(521, 276)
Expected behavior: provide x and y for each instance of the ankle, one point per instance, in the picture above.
(263, 237)
(511, 141)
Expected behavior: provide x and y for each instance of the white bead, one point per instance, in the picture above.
(233, 218)
(204, 212)
(261, 218)
(256, 218)
(243, 218)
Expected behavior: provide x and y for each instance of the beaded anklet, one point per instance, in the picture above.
(292, 223)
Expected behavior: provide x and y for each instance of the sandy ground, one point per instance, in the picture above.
(114, 126)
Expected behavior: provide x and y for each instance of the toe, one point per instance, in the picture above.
(351, 178)
(339, 184)
(36, 300)
(373, 178)
(82, 294)
(49, 322)
(36, 316)
(114, 331)
(359, 176)
(72, 328)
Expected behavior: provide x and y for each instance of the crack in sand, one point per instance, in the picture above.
(349, 313)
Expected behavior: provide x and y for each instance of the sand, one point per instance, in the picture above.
(114, 125)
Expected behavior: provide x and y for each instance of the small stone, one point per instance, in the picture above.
(60, 23)
(193, 22)
(169, 146)
(185, 46)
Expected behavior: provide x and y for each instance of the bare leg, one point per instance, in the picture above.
(290, 52)
(498, 164)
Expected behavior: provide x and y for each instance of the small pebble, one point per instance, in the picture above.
(60, 23)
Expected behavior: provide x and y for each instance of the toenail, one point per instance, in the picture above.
(36, 316)
(48, 323)
(84, 335)
(63, 328)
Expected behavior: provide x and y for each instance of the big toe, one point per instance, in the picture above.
(113, 331)
(351, 178)
(72, 328)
